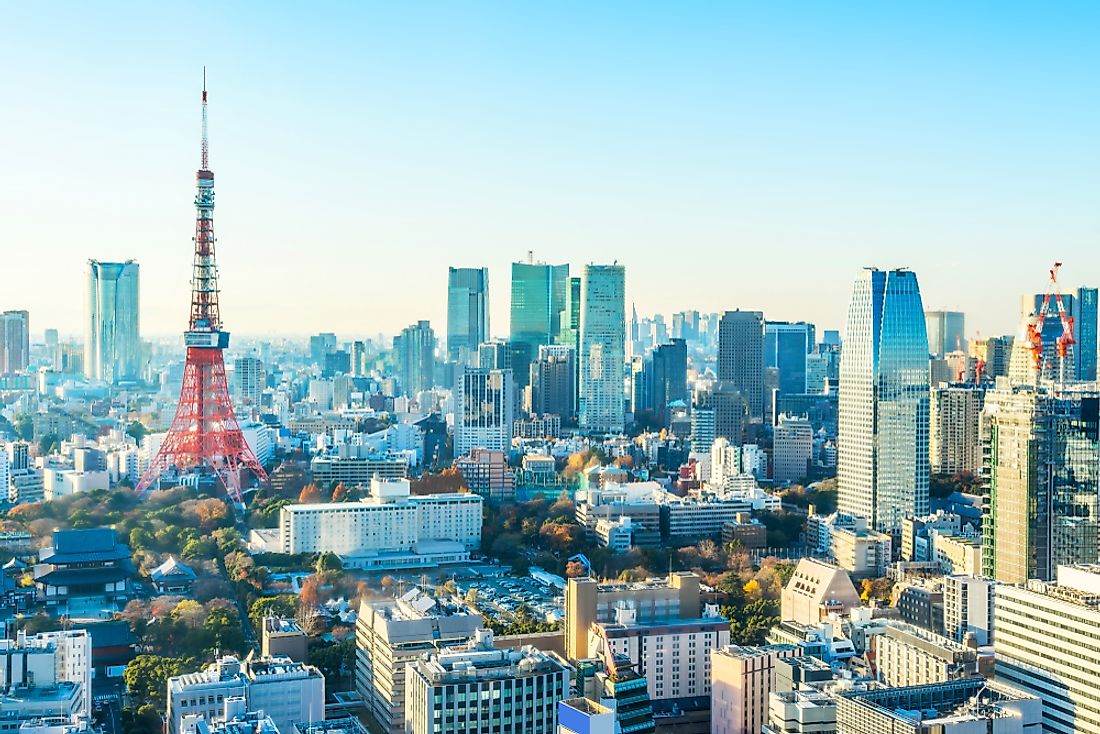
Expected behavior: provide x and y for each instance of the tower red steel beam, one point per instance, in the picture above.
(205, 433)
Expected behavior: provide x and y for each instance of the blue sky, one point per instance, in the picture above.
(731, 155)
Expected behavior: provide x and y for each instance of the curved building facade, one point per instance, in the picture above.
(882, 448)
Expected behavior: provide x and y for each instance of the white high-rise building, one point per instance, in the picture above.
(603, 348)
(484, 405)
(882, 447)
(112, 341)
(249, 380)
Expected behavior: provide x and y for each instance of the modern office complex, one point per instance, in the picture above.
(15, 341)
(1086, 324)
(554, 383)
(112, 341)
(1045, 644)
(946, 332)
(391, 634)
(484, 405)
(882, 450)
(603, 349)
(539, 293)
(1044, 473)
(474, 687)
(467, 312)
(741, 357)
(786, 347)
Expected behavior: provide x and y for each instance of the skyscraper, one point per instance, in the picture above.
(946, 332)
(882, 447)
(553, 382)
(415, 348)
(484, 401)
(1086, 333)
(1044, 476)
(741, 357)
(538, 301)
(249, 380)
(112, 341)
(665, 380)
(15, 341)
(603, 348)
(467, 312)
(786, 346)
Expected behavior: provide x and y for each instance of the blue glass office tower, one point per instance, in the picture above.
(1086, 333)
(882, 447)
(112, 343)
(467, 312)
(538, 301)
(785, 348)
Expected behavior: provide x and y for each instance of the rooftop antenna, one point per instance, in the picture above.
(205, 141)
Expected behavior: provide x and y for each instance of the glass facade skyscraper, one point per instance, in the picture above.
(786, 346)
(15, 341)
(603, 348)
(1086, 333)
(741, 357)
(467, 312)
(538, 301)
(415, 352)
(882, 447)
(1044, 465)
(946, 332)
(112, 341)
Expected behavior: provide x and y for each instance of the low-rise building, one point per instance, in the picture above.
(954, 707)
(817, 589)
(908, 656)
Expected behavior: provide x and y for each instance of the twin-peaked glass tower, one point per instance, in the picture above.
(882, 448)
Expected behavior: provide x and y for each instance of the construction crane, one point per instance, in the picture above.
(1034, 335)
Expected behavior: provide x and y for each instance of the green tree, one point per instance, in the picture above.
(283, 605)
(24, 426)
(137, 431)
(144, 720)
(146, 676)
(224, 628)
(328, 561)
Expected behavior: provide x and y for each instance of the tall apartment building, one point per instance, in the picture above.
(484, 404)
(415, 351)
(792, 447)
(882, 449)
(955, 435)
(968, 608)
(786, 348)
(742, 680)
(388, 521)
(288, 692)
(1045, 644)
(603, 349)
(249, 379)
(15, 341)
(467, 312)
(741, 358)
(554, 383)
(392, 634)
(1044, 478)
(946, 332)
(475, 687)
(995, 352)
(112, 337)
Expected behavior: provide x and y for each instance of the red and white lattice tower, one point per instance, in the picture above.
(205, 434)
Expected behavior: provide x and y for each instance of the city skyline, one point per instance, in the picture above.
(486, 135)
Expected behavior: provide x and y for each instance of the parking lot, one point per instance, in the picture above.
(502, 596)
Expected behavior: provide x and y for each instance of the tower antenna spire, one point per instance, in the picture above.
(205, 140)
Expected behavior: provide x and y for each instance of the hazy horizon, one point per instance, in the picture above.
(731, 156)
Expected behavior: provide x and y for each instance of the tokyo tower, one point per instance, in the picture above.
(205, 434)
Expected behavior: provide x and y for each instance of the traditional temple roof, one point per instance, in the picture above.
(172, 570)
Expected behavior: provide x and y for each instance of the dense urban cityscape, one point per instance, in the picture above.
(591, 519)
